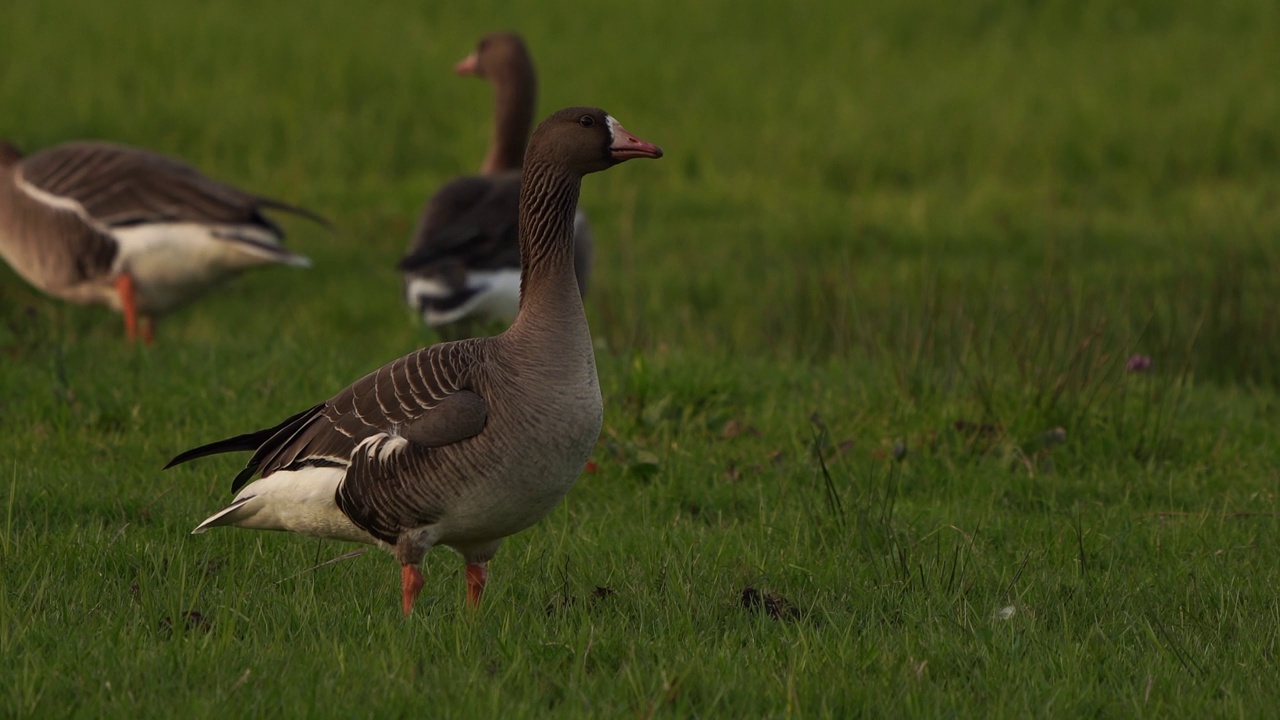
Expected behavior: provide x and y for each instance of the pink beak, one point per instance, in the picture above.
(626, 146)
(469, 65)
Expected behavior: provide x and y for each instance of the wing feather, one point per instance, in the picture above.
(472, 221)
(385, 429)
(120, 186)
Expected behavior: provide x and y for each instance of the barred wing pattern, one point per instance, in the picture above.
(383, 429)
(380, 493)
(120, 185)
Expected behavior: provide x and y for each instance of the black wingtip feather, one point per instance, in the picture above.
(273, 204)
(239, 443)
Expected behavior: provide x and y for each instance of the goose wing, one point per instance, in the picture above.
(472, 221)
(120, 186)
(422, 401)
(415, 398)
(50, 243)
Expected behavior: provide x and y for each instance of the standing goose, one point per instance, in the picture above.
(461, 443)
(464, 261)
(93, 222)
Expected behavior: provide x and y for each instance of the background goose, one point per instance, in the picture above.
(464, 261)
(461, 443)
(93, 222)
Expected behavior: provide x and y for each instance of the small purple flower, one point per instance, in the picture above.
(1138, 363)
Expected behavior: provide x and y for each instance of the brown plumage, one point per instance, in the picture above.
(463, 263)
(93, 222)
(461, 443)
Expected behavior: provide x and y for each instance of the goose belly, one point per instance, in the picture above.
(173, 263)
(53, 273)
(542, 456)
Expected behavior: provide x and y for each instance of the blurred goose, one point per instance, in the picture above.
(461, 443)
(143, 233)
(464, 262)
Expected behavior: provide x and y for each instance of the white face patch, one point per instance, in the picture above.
(613, 127)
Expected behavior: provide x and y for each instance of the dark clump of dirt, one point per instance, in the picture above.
(192, 621)
(564, 602)
(979, 437)
(984, 429)
(734, 427)
(771, 604)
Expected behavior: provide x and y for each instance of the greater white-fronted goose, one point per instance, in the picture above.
(461, 443)
(464, 261)
(93, 222)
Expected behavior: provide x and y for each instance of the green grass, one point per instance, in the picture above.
(870, 444)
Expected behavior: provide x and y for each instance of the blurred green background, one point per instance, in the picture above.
(879, 226)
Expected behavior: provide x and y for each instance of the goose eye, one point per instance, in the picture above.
(586, 121)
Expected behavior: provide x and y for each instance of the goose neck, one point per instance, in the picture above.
(548, 201)
(514, 100)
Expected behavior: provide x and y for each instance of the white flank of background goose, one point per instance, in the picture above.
(464, 261)
(461, 443)
(143, 233)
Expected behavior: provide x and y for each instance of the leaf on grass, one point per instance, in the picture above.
(972, 429)
(1056, 436)
(643, 464)
(771, 604)
(733, 472)
(979, 436)
(563, 601)
(734, 427)
(192, 621)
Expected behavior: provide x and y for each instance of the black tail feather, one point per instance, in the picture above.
(239, 443)
(273, 204)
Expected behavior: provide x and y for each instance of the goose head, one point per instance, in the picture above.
(499, 57)
(10, 155)
(587, 140)
(503, 60)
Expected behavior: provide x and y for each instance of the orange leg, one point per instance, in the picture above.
(477, 576)
(127, 289)
(149, 330)
(411, 578)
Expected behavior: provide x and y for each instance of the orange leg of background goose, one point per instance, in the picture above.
(411, 578)
(477, 575)
(128, 304)
(149, 330)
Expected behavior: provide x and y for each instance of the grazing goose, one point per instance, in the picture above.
(461, 443)
(93, 222)
(464, 262)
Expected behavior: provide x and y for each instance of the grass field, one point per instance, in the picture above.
(871, 447)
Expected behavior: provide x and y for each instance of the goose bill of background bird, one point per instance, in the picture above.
(461, 443)
(462, 269)
(140, 232)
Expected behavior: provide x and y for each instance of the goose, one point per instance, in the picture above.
(140, 232)
(461, 443)
(463, 265)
